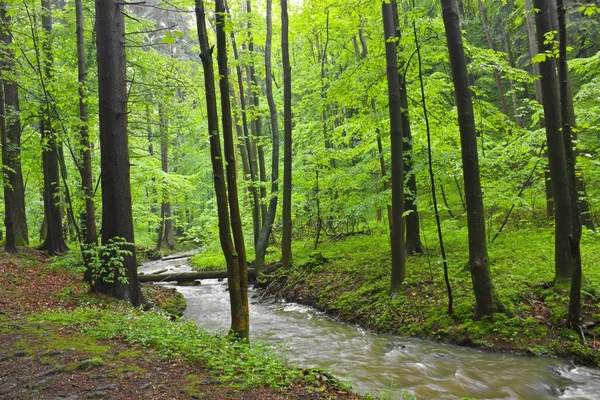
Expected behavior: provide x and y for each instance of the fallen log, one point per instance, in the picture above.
(176, 257)
(189, 276)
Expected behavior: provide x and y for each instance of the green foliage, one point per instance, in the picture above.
(106, 261)
(225, 358)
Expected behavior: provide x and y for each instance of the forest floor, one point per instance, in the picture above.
(59, 342)
(349, 277)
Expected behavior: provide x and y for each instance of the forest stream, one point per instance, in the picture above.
(385, 364)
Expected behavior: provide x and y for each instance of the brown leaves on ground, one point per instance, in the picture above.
(39, 363)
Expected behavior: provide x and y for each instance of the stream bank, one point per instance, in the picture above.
(361, 296)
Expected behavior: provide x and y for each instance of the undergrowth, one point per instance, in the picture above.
(226, 359)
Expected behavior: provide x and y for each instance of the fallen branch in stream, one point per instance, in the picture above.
(190, 276)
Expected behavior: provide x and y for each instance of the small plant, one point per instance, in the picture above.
(106, 261)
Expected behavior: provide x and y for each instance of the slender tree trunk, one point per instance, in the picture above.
(254, 191)
(568, 116)
(9, 245)
(239, 309)
(413, 229)
(54, 242)
(563, 213)
(166, 228)
(257, 120)
(397, 176)
(87, 182)
(13, 127)
(286, 240)
(432, 175)
(478, 256)
(117, 220)
(263, 239)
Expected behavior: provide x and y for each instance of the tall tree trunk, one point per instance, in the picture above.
(166, 224)
(9, 245)
(235, 261)
(13, 128)
(538, 96)
(263, 239)
(54, 242)
(431, 174)
(286, 240)
(117, 220)
(87, 182)
(568, 117)
(563, 213)
(253, 170)
(478, 256)
(413, 229)
(397, 176)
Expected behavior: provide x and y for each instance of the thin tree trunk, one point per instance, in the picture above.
(413, 229)
(54, 242)
(9, 245)
(563, 213)
(239, 314)
(478, 256)
(253, 95)
(13, 128)
(432, 175)
(286, 240)
(87, 182)
(253, 170)
(263, 239)
(117, 219)
(397, 176)
(568, 116)
(166, 219)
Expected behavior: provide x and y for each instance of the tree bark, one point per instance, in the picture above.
(563, 213)
(117, 221)
(87, 182)
(397, 173)
(239, 314)
(478, 256)
(54, 242)
(263, 239)
(13, 128)
(190, 276)
(413, 229)
(9, 245)
(253, 90)
(166, 225)
(286, 240)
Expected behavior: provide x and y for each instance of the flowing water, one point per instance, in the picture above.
(387, 364)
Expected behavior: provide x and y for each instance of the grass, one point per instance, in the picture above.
(224, 358)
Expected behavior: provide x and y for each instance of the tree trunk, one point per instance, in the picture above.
(263, 239)
(54, 242)
(478, 256)
(239, 312)
(397, 173)
(568, 117)
(189, 276)
(9, 245)
(253, 90)
(286, 240)
(254, 191)
(563, 213)
(413, 229)
(166, 228)
(87, 182)
(13, 128)
(117, 221)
